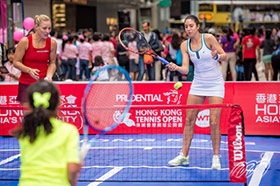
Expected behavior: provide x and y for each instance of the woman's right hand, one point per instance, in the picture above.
(34, 73)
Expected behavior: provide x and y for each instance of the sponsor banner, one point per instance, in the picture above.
(236, 147)
(261, 107)
(259, 101)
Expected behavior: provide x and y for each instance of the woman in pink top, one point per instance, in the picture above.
(84, 50)
(63, 58)
(133, 61)
(96, 46)
(71, 53)
(108, 50)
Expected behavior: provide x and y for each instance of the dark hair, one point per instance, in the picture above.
(226, 30)
(98, 61)
(195, 19)
(82, 40)
(29, 32)
(39, 116)
(252, 31)
(11, 50)
(260, 32)
(70, 39)
(246, 31)
(106, 37)
(192, 17)
(63, 44)
(157, 33)
(147, 22)
(268, 34)
(231, 31)
(52, 33)
(96, 37)
(175, 42)
(59, 35)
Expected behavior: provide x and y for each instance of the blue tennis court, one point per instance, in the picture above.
(141, 159)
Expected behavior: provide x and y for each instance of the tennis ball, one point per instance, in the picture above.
(178, 85)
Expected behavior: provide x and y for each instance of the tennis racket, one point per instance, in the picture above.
(105, 103)
(128, 36)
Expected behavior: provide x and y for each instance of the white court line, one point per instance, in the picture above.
(8, 150)
(9, 159)
(154, 147)
(106, 176)
(258, 172)
(154, 167)
(171, 147)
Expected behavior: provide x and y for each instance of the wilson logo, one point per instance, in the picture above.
(237, 144)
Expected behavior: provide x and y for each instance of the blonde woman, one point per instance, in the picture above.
(35, 56)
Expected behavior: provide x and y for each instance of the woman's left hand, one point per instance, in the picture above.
(214, 53)
(48, 79)
(172, 66)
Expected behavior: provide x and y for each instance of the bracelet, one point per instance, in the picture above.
(217, 57)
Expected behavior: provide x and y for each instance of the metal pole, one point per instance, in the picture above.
(22, 15)
(231, 13)
(10, 26)
(194, 7)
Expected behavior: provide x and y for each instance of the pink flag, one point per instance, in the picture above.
(3, 14)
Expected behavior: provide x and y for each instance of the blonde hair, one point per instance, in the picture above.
(39, 18)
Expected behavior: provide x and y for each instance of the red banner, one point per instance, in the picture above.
(236, 146)
(259, 101)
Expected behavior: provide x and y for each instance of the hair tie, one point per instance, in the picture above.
(41, 99)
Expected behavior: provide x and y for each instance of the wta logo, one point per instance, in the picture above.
(202, 119)
(126, 120)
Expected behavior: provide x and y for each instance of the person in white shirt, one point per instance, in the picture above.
(99, 63)
(204, 51)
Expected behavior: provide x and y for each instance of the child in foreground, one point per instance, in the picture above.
(48, 147)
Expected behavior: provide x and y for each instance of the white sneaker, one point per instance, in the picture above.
(179, 160)
(216, 162)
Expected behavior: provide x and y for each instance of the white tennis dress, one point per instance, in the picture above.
(208, 79)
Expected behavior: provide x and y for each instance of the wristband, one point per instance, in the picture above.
(217, 57)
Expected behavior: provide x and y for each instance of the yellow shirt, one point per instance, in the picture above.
(44, 162)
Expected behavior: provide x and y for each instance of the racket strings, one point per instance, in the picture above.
(107, 100)
(134, 41)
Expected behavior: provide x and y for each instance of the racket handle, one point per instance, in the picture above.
(163, 60)
(84, 150)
